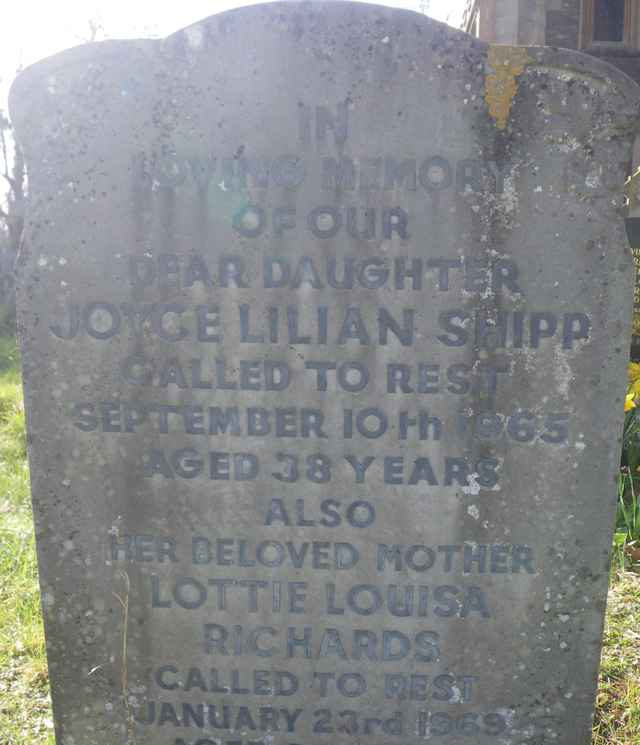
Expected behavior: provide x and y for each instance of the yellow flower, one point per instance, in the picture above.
(633, 371)
(629, 402)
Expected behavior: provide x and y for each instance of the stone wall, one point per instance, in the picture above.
(563, 23)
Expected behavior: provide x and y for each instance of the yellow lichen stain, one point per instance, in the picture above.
(501, 86)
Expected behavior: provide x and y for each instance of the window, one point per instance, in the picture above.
(611, 23)
(608, 20)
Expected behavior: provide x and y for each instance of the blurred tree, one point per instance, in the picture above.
(13, 192)
(12, 172)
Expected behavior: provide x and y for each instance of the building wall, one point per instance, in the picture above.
(506, 21)
(532, 21)
(556, 23)
(563, 23)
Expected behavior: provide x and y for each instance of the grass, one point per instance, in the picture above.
(25, 714)
(618, 704)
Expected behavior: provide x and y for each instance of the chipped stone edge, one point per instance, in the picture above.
(506, 66)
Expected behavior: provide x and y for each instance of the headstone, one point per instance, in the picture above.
(325, 313)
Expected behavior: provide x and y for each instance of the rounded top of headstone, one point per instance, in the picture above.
(326, 31)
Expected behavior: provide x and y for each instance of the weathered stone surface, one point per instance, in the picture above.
(265, 278)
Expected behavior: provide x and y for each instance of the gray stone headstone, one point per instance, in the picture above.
(325, 312)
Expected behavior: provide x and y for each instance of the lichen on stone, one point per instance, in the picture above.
(501, 85)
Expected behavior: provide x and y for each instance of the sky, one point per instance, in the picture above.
(33, 29)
